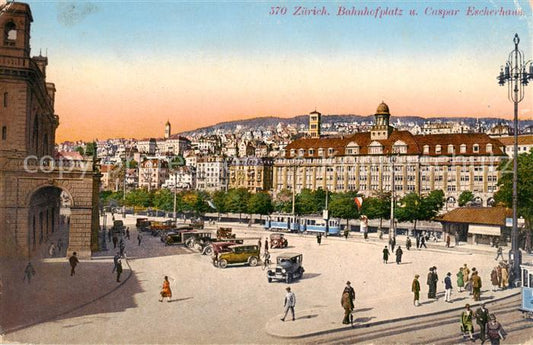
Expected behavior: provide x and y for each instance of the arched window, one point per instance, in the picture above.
(489, 148)
(4, 132)
(463, 148)
(10, 32)
(475, 148)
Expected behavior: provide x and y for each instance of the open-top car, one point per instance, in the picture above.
(278, 240)
(288, 267)
(238, 254)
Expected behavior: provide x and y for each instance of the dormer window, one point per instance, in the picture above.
(451, 149)
(330, 151)
(426, 149)
(311, 152)
(475, 148)
(301, 152)
(399, 147)
(375, 148)
(293, 152)
(352, 148)
(321, 152)
(489, 148)
(10, 32)
(462, 148)
(438, 149)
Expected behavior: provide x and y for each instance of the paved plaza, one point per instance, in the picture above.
(236, 304)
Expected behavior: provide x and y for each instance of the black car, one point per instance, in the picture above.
(288, 268)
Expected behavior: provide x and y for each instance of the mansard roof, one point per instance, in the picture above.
(458, 139)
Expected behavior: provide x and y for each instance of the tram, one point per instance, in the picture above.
(302, 224)
(527, 290)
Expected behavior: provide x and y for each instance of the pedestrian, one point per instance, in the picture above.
(119, 269)
(417, 241)
(432, 280)
(115, 262)
(121, 247)
(460, 280)
(29, 272)
(408, 243)
(115, 241)
(385, 255)
(59, 246)
(476, 285)
(345, 303)
(392, 243)
(499, 253)
(448, 288)
(108, 235)
(423, 242)
(500, 275)
(399, 253)
(415, 288)
(482, 318)
(73, 260)
(266, 244)
(466, 273)
(259, 244)
(289, 303)
(505, 277)
(52, 250)
(494, 279)
(139, 238)
(448, 241)
(466, 322)
(495, 331)
(346, 233)
(128, 232)
(351, 292)
(364, 227)
(319, 238)
(165, 290)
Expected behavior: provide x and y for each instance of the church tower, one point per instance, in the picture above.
(314, 124)
(167, 130)
(381, 129)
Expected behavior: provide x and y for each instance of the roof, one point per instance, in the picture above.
(522, 140)
(75, 155)
(458, 139)
(288, 255)
(477, 215)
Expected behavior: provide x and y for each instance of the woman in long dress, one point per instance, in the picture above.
(165, 291)
(460, 279)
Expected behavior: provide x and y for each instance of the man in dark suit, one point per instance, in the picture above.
(482, 318)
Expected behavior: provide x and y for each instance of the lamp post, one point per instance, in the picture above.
(515, 74)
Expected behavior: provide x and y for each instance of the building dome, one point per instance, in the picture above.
(383, 109)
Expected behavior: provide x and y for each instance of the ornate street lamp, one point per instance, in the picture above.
(515, 74)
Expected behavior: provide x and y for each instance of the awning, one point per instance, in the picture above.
(484, 230)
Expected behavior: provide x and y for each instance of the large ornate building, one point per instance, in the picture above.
(32, 176)
(376, 161)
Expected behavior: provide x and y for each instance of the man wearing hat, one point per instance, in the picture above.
(448, 287)
(415, 288)
(349, 289)
(290, 302)
(347, 302)
(482, 318)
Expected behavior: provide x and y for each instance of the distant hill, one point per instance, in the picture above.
(268, 121)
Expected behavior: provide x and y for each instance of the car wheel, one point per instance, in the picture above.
(208, 250)
(288, 278)
(269, 280)
(222, 263)
(252, 261)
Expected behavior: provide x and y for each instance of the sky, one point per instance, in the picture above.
(123, 68)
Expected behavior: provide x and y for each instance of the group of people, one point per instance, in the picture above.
(55, 249)
(499, 276)
(398, 253)
(470, 282)
(489, 327)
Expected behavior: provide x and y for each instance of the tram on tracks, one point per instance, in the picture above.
(303, 224)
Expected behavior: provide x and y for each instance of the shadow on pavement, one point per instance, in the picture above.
(362, 310)
(310, 275)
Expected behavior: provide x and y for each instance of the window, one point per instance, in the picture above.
(301, 152)
(311, 152)
(4, 133)
(462, 148)
(5, 99)
(438, 149)
(426, 149)
(10, 32)
(320, 152)
(489, 148)
(475, 148)
(292, 152)
(451, 149)
(330, 151)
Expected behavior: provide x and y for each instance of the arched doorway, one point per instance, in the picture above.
(49, 222)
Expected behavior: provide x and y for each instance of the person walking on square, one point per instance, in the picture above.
(385, 255)
(346, 233)
(495, 331)
(415, 288)
(392, 243)
(460, 280)
(423, 242)
(448, 288)
(266, 244)
(482, 318)
(73, 260)
(476, 285)
(399, 254)
(165, 290)
(351, 292)
(289, 303)
(128, 232)
(59, 246)
(408, 243)
(347, 305)
(259, 244)
(52, 250)
(448, 241)
(121, 247)
(119, 269)
(417, 241)
(499, 253)
(139, 238)
(115, 241)
(466, 273)
(29, 272)
(115, 262)
(431, 282)
(467, 326)
(319, 238)
(505, 277)
(494, 279)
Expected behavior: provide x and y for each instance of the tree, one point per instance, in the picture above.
(504, 196)
(139, 197)
(219, 200)
(432, 204)
(410, 209)
(465, 197)
(90, 149)
(80, 150)
(306, 202)
(343, 206)
(237, 200)
(260, 203)
(377, 207)
(195, 201)
(164, 200)
(283, 201)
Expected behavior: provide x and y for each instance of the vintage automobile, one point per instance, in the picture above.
(174, 237)
(278, 241)
(215, 244)
(140, 222)
(288, 267)
(180, 227)
(197, 223)
(238, 254)
(197, 239)
(224, 233)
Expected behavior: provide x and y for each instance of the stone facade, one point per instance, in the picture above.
(32, 176)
